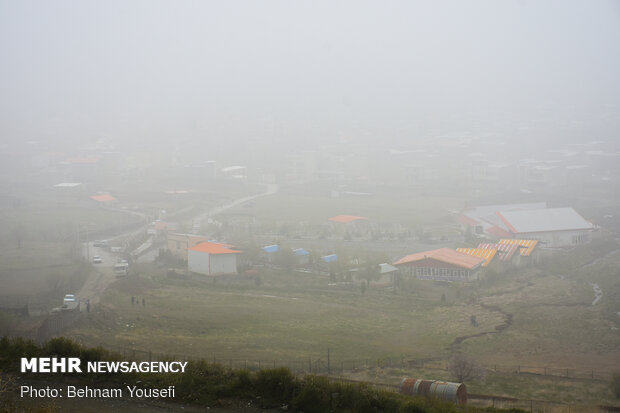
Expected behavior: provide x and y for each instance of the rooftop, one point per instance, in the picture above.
(505, 252)
(212, 248)
(345, 218)
(526, 245)
(103, 198)
(446, 255)
(487, 254)
(542, 220)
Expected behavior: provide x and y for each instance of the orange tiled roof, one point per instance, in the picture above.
(212, 248)
(527, 244)
(487, 254)
(345, 218)
(446, 255)
(103, 198)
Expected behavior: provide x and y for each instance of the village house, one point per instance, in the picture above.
(210, 258)
(443, 264)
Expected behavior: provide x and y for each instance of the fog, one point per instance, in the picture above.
(279, 72)
(364, 189)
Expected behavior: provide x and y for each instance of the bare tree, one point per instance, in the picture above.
(464, 368)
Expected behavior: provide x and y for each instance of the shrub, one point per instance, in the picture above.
(315, 395)
(615, 384)
(277, 385)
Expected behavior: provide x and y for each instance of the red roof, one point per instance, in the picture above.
(499, 232)
(103, 198)
(505, 221)
(345, 218)
(446, 255)
(212, 248)
(468, 221)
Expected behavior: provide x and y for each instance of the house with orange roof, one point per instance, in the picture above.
(349, 224)
(211, 258)
(103, 198)
(443, 264)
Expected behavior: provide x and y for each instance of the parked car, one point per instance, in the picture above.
(97, 259)
(69, 298)
(121, 269)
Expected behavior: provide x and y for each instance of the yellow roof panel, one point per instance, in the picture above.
(487, 254)
(527, 245)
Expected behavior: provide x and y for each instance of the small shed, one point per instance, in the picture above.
(269, 252)
(302, 256)
(210, 258)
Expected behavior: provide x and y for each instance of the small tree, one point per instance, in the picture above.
(464, 368)
(615, 385)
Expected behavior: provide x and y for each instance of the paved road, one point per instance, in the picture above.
(104, 274)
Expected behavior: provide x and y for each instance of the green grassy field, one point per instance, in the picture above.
(294, 316)
(293, 208)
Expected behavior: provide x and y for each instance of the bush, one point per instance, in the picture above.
(314, 396)
(615, 385)
(277, 385)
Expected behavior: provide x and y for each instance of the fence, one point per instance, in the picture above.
(328, 365)
(335, 369)
(56, 323)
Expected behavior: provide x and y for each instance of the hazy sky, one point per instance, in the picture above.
(286, 70)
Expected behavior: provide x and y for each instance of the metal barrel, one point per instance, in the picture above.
(443, 390)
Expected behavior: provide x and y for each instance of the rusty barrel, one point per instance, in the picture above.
(443, 390)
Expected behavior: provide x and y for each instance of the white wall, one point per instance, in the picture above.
(554, 239)
(224, 264)
(211, 264)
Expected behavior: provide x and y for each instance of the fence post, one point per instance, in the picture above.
(329, 371)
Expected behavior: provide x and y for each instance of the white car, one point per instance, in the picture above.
(97, 259)
(69, 298)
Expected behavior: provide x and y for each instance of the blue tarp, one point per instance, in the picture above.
(271, 248)
(330, 258)
(300, 251)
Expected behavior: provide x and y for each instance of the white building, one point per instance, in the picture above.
(210, 258)
(552, 227)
